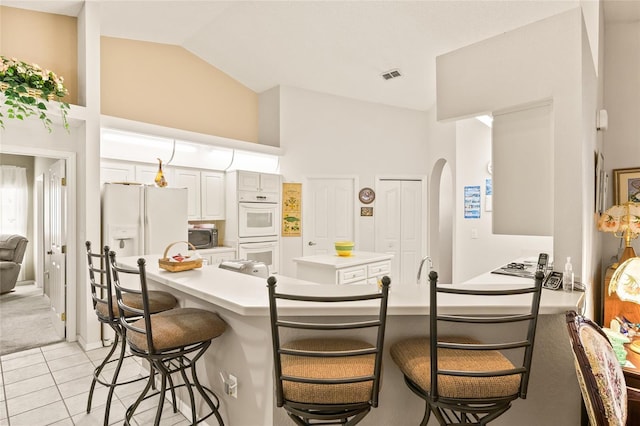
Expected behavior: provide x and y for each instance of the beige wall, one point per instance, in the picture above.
(49, 40)
(169, 86)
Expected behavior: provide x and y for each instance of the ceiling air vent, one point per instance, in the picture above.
(388, 75)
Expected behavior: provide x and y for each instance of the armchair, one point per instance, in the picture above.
(12, 249)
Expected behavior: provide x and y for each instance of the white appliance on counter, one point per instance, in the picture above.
(253, 216)
(138, 219)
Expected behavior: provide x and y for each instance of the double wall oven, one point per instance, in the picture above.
(258, 226)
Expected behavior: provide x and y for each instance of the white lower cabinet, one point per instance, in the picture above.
(355, 275)
(376, 271)
(369, 274)
(215, 256)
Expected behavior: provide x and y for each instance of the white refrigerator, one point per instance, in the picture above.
(139, 220)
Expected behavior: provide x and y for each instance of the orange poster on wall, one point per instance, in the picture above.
(291, 209)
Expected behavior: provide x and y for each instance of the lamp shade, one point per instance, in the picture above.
(625, 281)
(624, 222)
(620, 218)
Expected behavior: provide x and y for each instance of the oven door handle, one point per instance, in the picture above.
(257, 245)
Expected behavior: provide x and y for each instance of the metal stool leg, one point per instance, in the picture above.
(98, 370)
(114, 379)
(204, 391)
(132, 408)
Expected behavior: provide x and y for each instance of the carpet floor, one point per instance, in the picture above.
(25, 320)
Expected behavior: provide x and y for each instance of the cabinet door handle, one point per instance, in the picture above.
(311, 243)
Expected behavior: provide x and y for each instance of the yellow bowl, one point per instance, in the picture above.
(344, 248)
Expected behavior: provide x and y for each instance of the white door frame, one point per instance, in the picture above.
(70, 158)
(38, 213)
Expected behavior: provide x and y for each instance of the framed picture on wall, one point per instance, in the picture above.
(626, 185)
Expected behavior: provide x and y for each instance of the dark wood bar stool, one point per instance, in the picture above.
(323, 377)
(464, 380)
(106, 309)
(172, 341)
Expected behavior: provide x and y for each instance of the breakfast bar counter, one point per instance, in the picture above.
(244, 350)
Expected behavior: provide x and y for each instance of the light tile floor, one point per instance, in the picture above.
(50, 386)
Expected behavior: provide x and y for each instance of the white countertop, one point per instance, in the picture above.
(335, 261)
(247, 295)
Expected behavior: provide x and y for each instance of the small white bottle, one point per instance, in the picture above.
(567, 276)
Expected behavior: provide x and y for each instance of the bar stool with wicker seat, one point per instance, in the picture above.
(106, 309)
(462, 379)
(325, 377)
(165, 339)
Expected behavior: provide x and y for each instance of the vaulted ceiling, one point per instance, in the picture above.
(336, 47)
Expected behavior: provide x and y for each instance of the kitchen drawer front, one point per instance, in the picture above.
(378, 269)
(351, 275)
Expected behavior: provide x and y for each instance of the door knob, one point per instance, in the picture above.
(50, 252)
(311, 243)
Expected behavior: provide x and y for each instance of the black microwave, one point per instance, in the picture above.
(203, 238)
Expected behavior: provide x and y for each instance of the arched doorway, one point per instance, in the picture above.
(441, 208)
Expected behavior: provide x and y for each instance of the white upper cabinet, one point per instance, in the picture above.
(190, 179)
(116, 171)
(206, 199)
(212, 193)
(146, 174)
(262, 182)
(128, 172)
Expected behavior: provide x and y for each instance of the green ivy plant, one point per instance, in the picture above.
(27, 91)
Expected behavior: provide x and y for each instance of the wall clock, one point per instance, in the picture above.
(367, 195)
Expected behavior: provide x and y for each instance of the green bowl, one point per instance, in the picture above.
(344, 248)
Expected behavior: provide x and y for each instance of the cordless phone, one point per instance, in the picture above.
(543, 259)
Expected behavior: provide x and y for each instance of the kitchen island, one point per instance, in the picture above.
(244, 350)
(360, 267)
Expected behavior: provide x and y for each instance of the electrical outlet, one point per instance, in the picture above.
(232, 391)
(230, 383)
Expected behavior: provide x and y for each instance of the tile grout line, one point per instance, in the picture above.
(57, 387)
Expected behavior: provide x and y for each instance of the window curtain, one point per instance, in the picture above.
(13, 200)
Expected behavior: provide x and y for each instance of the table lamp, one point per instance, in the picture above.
(623, 221)
(625, 283)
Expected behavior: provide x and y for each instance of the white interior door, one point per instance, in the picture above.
(57, 232)
(328, 214)
(398, 226)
